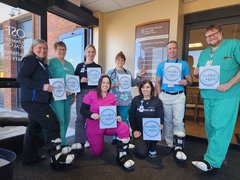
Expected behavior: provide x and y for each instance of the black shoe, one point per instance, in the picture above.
(114, 141)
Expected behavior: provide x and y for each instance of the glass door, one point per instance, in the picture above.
(195, 111)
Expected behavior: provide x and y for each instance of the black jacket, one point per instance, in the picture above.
(152, 108)
(33, 74)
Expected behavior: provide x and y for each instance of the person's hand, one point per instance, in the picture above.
(161, 126)
(142, 72)
(183, 82)
(47, 87)
(223, 87)
(136, 134)
(196, 72)
(68, 93)
(119, 118)
(95, 116)
(116, 84)
(84, 80)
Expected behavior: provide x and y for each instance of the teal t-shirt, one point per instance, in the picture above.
(227, 55)
(59, 70)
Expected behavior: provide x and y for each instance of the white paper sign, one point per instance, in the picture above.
(151, 129)
(209, 77)
(172, 73)
(93, 75)
(59, 91)
(125, 82)
(72, 83)
(108, 117)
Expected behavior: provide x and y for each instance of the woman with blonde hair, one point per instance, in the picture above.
(81, 71)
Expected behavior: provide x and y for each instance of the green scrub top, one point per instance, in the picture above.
(59, 70)
(227, 55)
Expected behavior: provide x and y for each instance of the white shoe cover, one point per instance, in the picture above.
(200, 165)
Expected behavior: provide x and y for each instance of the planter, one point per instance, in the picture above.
(6, 171)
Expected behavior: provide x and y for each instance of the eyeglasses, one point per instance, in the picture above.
(212, 35)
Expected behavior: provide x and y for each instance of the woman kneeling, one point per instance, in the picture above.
(90, 109)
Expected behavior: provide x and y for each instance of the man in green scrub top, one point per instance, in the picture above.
(221, 104)
(58, 68)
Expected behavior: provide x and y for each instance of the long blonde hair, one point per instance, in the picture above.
(35, 42)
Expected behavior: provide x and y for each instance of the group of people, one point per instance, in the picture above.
(168, 105)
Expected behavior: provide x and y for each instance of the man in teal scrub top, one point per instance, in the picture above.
(221, 104)
(58, 68)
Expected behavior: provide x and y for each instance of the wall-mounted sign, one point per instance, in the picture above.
(150, 46)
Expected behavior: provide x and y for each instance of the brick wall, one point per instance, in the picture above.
(56, 27)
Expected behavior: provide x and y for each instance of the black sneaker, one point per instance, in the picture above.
(152, 154)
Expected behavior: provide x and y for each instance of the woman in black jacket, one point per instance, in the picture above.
(145, 105)
(36, 95)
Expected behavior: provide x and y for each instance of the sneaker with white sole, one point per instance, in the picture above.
(86, 145)
(152, 154)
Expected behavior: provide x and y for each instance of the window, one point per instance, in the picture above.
(75, 46)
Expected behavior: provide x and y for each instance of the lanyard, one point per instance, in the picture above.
(175, 61)
(114, 74)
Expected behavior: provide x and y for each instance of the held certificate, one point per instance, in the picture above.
(59, 91)
(72, 83)
(172, 73)
(125, 82)
(209, 77)
(108, 117)
(93, 75)
(151, 129)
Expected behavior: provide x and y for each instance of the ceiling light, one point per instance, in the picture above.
(195, 45)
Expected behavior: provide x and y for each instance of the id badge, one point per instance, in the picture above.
(82, 70)
(141, 108)
(170, 85)
(209, 63)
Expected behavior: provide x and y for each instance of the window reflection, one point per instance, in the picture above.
(17, 29)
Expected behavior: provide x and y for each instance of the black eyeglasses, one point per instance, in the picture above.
(211, 35)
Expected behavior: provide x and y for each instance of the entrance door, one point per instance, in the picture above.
(194, 43)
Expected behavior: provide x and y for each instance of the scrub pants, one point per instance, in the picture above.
(123, 112)
(220, 119)
(95, 135)
(62, 109)
(80, 123)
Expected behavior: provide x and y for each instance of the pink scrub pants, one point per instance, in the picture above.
(95, 135)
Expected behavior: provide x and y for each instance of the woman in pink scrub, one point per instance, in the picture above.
(90, 109)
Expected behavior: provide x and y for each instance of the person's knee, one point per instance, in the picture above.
(141, 153)
(123, 130)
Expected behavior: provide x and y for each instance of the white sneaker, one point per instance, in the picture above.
(86, 145)
(131, 146)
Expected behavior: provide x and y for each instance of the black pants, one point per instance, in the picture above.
(41, 117)
(142, 147)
